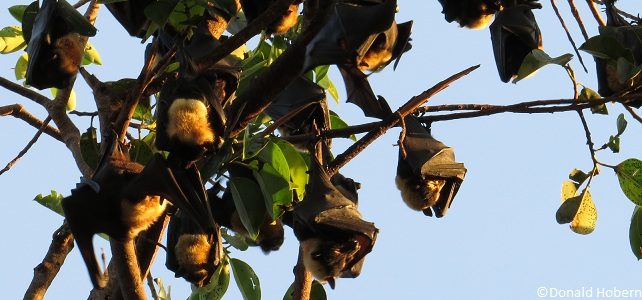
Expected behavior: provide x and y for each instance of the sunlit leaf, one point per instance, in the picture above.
(17, 11)
(51, 201)
(246, 280)
(163, 294)
(71, 102)
(275, 188)
(273, 155)
(569, 190)
(298, 167)
(337, 123)
(317, 292)
(629, 174)
(537, 59)
(217, 287)
(589, 94)
(586, 218)
(21, 66)
(91, 55)
(236, 241)
(11, 39)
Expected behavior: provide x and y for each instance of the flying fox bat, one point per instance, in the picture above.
(606, 69)
(360, 36)
(192, 253)
(428, 176)
(131, 15)
(254, 8)
(55, 46)
(474, 14)
(122, 199)
(514, 34)
(334, 238)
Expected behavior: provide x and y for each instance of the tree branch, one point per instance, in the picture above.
(302, 280)
(596, 13)
(578, 18)
(478, 110)
(633, 113)
(27, 147)
(391, 121)
(25, 92)
(20, 112)
(127, 269)
(284, 70)
(568, 34)
(46, 271)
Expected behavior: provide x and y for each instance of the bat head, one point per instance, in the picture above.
(474, 14)
(428, 176)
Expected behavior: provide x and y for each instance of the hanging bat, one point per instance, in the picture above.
(360, 37)
(428, 176)
(333, 236)
(514, 34)
(131, 15)
(122, 199)
(56, 45)
(192, 253)
(190, 117)
(306, 96)
(254, 8)
(474, 14)
(624, 33)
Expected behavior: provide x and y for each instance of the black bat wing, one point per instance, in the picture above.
(40, 49)
(300, 92)
(514, 34)
(360, 93)
(130, 14)
(403, 41)
(347, 29)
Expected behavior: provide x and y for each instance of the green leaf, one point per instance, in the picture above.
(91, 55)
(298, 167)
(589, 94)
(614, 144)
(606, 47)
(143, 111)
(537, 59)
(316, 293)
(17, 11)
(635, 232)
(159, 11)
(89, 147)
(578, 176)
(322, 78)
(273, 155)
(337, 123)
(217, 287)
(626, 70)
(76, 21)
(51, 201)
(249, 203)
(275, 188)
(141, 152)
(71, 102)
(567, 211)
(621, 124)
(629, 174)
(236, 241)
(21, 66)
(246, 280)
(163, 294)
(11, 39)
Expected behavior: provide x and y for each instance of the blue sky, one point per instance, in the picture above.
(499, 239)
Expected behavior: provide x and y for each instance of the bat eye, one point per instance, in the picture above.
(316, 255)
(350, 245)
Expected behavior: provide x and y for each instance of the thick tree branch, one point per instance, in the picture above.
(46, 271)
(20, 112)
(302, 280)
(127, 269)
(284, 70)
(25, 92)
(391, 121)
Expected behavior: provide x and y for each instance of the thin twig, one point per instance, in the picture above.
(478, 110)
(27, 147)
(633, 113)
(84, 113)
(568, 34)
(80, 3)
(578, 18)
(152, 288)
(20, 112)
(406, 109)
(596, 13)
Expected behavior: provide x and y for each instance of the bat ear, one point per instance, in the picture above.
(347, 29)
(514, 34)
(429, 159)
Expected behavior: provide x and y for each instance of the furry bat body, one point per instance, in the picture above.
(254, 8)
